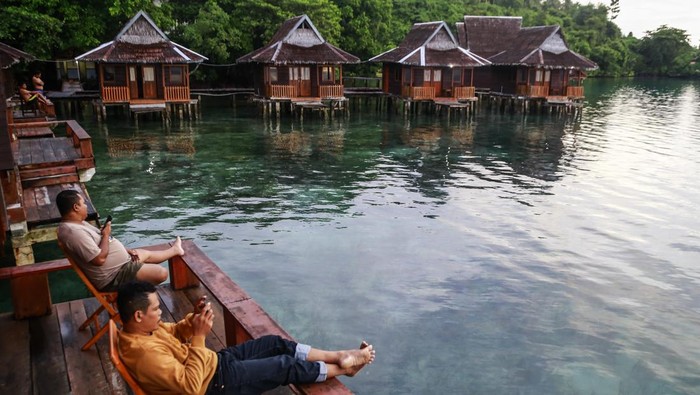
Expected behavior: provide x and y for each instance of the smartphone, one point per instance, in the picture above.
(109, 219)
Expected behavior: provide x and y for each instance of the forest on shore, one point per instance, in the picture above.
(224, 30)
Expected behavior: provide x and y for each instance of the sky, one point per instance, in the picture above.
(639, 16)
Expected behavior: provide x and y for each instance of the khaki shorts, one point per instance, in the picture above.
(124, 275)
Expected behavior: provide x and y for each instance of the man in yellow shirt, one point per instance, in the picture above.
(167, 358)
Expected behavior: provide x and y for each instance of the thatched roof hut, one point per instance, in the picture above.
(431, 44)
(297, 41)
(141, 66)
(531, 61)
(503, 41)
(298, 63)
(141, 41)
(429, 63)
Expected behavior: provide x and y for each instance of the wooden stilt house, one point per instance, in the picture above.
(429, 64)
(142, 67)
(298, 63)
(533, 62)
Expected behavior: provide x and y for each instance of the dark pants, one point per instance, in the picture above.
(260, 365)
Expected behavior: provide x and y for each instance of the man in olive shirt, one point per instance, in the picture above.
(104, 259)
(167, 358)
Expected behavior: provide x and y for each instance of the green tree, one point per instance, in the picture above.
(665, 51)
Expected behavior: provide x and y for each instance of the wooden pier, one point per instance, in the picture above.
(44, 351)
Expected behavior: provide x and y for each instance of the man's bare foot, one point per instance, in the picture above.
(354, 360)
(178, 246)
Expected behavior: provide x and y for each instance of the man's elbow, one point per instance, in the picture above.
(98, 261)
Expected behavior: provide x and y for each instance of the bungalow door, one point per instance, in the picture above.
(150, 90)
(133, 83)
(433, 78)
(300, 78)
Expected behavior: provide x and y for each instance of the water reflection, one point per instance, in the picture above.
(491, 255)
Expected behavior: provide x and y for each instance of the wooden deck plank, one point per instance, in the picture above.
(14, 343)
(80, 364)
(33, 132)
(116, 384)
(49, 373)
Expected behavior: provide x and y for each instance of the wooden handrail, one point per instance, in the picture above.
(244, 319)
(13, 272)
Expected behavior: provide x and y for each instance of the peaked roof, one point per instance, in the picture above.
(430, 44)
(503, 41)
(298, 42)
(10, 55)
(141, 41)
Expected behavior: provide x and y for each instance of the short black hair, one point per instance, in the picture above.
(133, 297)
(66, 199)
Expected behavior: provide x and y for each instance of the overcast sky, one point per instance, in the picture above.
(639, 16)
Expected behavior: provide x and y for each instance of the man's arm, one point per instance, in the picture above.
(159, 368)
(101, 258)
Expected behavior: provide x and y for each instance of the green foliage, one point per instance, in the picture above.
(666, 51)
(224, 30)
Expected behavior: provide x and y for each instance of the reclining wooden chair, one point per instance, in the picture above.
(117, 360)
(108, 301)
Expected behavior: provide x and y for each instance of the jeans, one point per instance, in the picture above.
(263, 364)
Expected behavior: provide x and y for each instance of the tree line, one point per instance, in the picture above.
(224, 30)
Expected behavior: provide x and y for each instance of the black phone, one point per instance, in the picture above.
(109, 219)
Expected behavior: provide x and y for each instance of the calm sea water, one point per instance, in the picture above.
(496, 255)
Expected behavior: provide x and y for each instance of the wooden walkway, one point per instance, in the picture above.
(45, 357)
(41, 354)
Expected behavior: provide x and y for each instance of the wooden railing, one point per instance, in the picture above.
(463, 92)
(330, 91)
(574, 91)
(538, 91)
(419, 92)
(281, 91)
(115, 94)
(177, 93)
(532, 90)
(82, 141)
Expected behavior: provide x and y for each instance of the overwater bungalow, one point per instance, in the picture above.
(37, 161)
(142, 69)
(429, 64)
(533, 62)
(299, 65)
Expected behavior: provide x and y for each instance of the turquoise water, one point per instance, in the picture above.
(501, 254)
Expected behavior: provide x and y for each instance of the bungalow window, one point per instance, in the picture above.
(272, 74)
(110, 74)
(436, 75)
(457, 77)
(176, 76)
(538, 76)
(329, 74)
(114, 75)
(397, 74)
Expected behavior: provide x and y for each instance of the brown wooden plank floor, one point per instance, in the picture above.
(42, 355)
(44, 150)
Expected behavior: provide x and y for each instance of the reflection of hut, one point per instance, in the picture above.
(532, 61)
(120, 147)
(298, 64)
(425, 139)
(142, 69)
(429, 64)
